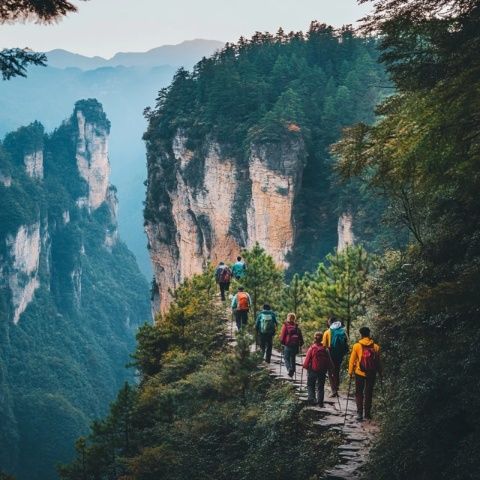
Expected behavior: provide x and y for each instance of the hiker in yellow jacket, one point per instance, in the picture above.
(364, 364)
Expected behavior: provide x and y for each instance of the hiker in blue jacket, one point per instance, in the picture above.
(266, 325)
(336, 340)
(239, 268)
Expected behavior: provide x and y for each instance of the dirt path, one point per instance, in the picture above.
(358, 436)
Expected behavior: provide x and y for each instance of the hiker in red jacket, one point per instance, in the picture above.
(317, 363)
(292, 339)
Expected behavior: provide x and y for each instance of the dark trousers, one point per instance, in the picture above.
(241, 317)
(266, 344)
(337, 363)
(289, 354)
(316, 379)
(364, 393)
(224, 287)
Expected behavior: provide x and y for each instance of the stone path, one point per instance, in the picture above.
(358, 436)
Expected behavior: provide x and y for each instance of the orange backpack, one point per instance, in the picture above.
(242, 301)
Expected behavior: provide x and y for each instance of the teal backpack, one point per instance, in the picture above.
(338, 343)
(267, 323)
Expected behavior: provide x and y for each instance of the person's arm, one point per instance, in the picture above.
(249, 300)
(352, 362)
(326, 338)
(307, 360)
(234, 302)
(275, 321)
(300, 337)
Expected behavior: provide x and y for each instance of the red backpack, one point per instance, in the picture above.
(369, 360)
(225, 275)
(292, 337)
(242, 301)
(320, 361)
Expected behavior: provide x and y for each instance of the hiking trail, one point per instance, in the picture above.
(358, 436)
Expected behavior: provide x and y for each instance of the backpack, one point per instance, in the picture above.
(338, 343)
(319, 361)
(242, 301)
(292, 337)
(369, 360)
(225, 275)
(267, 323)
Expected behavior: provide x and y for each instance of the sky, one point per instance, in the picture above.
(104, 27)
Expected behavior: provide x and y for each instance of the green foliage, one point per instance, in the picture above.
(64, 361)
(205, 411)
(423, 156)
(263, 279)
(276, 92)
(338, 287)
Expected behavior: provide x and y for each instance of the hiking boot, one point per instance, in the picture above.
(311, 401)
(359, 417)
(334, 394)
(291, 373)
(320, 404)
(368, 416)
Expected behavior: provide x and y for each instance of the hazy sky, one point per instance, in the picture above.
(104, 27)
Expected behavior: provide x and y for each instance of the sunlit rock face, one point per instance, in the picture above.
(214, 206)
(34, 164)
(345, 231)
(21, 266)
(92, 159)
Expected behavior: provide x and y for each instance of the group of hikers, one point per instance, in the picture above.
(323, 358)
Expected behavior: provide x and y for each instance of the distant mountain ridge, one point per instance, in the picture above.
(184, 54)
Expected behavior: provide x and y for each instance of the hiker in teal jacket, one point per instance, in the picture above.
(266, 326)
(239, 268)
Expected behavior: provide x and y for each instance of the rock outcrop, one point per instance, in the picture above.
(215, 206)
(92, 158)
(71, 294)
(345, 231)
(34, 164)
(22, 271)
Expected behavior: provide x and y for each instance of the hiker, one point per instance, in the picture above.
(266, 326)
(239, 268)
(223, 275)
(336, 340)
(317, 363)
(241, 304)
(292, 340)
(364, 364)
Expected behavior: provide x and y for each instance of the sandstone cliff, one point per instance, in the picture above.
(208, 206)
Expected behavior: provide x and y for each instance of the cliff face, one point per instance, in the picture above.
(71, 295)
(214, 206)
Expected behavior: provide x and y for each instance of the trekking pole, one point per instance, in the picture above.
(281, 358)
(348, 397)
(301, 366)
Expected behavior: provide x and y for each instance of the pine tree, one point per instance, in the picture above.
(339, 285)
(294, 297)
(263, 279)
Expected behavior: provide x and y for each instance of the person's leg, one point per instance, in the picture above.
(222, 291)
(269, 346)
(293, 360)
(263, 343)
(244, 318)
(238, 319)
(359, 390)
(311, 379)
(321, 387)
(369, 384)
(287, 353)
